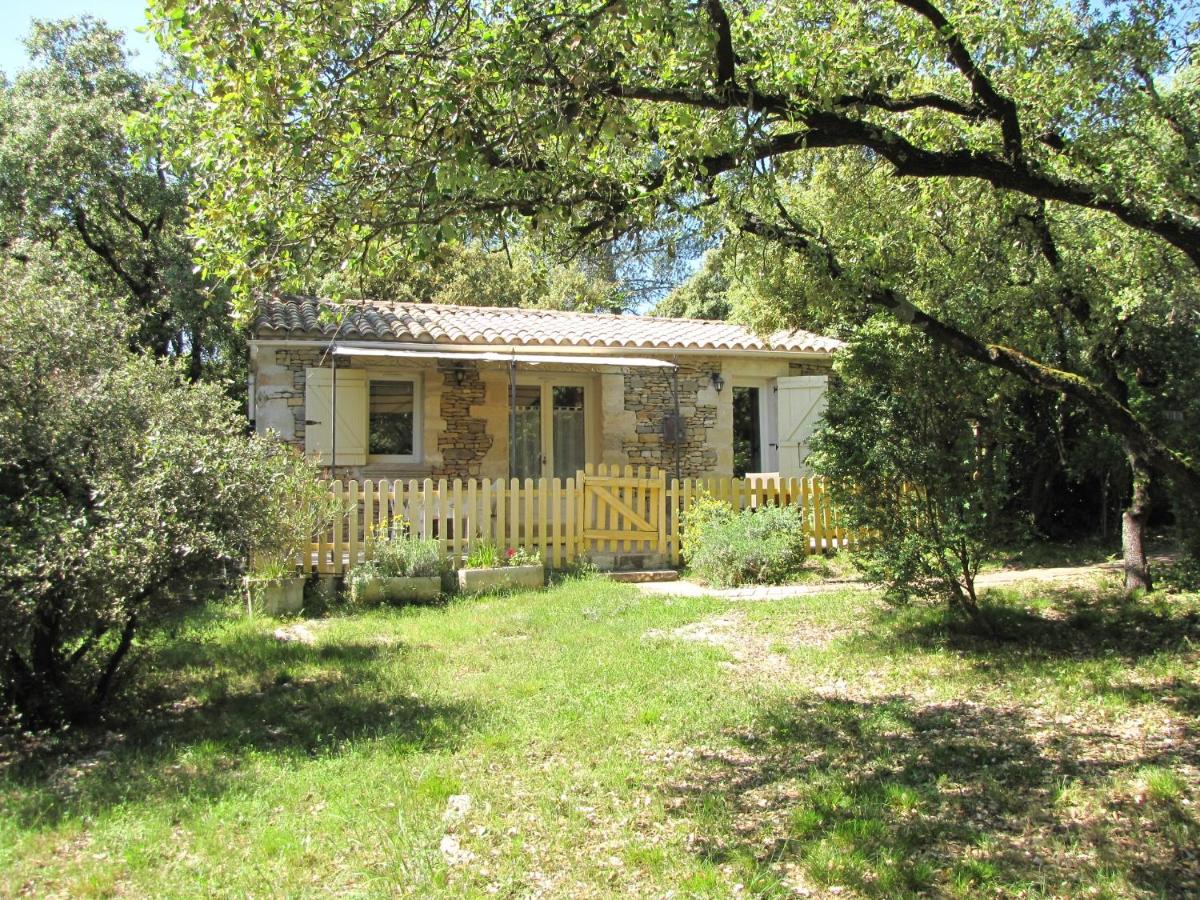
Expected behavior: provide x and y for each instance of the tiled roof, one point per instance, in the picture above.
(300, 317)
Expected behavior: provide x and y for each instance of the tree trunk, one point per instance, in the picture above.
(1133, 525)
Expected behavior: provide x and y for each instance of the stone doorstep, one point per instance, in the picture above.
(644, 576)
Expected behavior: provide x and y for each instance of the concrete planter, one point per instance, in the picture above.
(276, 596)
(399, 590)
(478, 581)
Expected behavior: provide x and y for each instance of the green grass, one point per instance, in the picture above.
(613, 743)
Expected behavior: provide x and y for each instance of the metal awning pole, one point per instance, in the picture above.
(678, 420)
(512, 415)
(333, 424)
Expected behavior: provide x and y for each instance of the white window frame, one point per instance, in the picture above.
(418, 383)
(768, 419)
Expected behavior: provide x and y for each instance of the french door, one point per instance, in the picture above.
(551, 434)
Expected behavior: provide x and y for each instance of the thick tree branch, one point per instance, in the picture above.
(1003, 109)
(1107, 409)
(836, 128)
(141, 290)
(726, 60)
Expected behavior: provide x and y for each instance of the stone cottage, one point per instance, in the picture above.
(420, 390)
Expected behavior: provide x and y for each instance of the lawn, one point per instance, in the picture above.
(587, 740)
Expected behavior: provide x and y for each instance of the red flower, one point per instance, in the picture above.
(511, 552)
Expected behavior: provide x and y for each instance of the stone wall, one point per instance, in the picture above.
(648, 395)
(464, 442)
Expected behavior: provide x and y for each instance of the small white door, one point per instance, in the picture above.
(801, 405)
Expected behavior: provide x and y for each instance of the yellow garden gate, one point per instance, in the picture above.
(624, 513)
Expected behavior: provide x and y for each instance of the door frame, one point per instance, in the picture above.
(768, 418)
(547, 381)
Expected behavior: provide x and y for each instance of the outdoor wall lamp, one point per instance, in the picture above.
(718, 381)
(460, 374)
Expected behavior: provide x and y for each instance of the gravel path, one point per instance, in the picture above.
(1004, 577)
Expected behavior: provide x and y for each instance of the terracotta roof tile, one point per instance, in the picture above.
(308, 317)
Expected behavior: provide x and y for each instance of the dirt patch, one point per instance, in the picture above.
(752, 653)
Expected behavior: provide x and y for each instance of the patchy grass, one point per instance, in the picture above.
(587, 740)
(1036, 554)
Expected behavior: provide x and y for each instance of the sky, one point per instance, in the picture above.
(125, 15)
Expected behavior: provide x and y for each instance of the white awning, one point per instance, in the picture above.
(532, 359)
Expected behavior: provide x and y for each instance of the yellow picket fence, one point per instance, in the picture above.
(605, 511)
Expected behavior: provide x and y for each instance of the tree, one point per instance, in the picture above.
(589, 119)
(703, 296)
(74, 177)
(122, 488)
(916, 449)
(470, 275)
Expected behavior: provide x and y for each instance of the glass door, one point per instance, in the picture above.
(550, 437)
(527, 460)
(568, 432)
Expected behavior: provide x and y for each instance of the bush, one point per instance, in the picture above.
(408, 558)
(123, 490)
(727, 549)
(915, 446)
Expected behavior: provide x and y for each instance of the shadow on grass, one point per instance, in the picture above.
(890, 798)
(213, 708)
(1069, 623)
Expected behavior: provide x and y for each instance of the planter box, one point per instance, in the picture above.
(398, 590)
(278, 596)
(477, 581)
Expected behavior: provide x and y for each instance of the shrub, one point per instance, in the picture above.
(727, 549)
(915, 446)
(408, 558)
(122, 488)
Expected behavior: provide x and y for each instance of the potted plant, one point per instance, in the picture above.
(486, 568)
(301, 505)
(273, 587)
(402, 569)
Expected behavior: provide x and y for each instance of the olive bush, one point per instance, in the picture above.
(123, 490)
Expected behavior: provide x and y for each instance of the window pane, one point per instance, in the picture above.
(747, 433)
(527, 439)
(568, 431)
(391, 418)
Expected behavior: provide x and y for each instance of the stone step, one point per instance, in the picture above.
(645, 575)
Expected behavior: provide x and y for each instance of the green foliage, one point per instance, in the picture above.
(124, 490)
(394, 557)
(915, 448)
(470, 275)
(486, 555)
(520, 556)
(755, 546)
(703, 296)
(403, 557)
(82, 172)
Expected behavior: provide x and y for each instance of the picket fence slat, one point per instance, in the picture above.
(603, 509)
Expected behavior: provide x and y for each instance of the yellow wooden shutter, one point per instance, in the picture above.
(351, 415)
(801, 405)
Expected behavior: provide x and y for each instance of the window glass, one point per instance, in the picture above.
(392, 418)
(568, 431)
(747, 432)
(527, 439)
